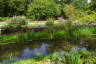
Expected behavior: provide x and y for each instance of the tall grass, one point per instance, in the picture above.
(77, 34)
(65, 58)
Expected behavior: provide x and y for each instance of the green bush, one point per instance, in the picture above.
(72, 58)
(40, 35)
(88, 18)
(92, 6)
(16, 22)
(50, 22)
(3, 18)
(66, 58)
(39, 9)
(61, 34)
(58, 58)
(71, 12)
(83, 32)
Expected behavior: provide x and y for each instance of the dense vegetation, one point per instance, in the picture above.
(53, 30)
(39, 9)
(68, 20)
(80, 57)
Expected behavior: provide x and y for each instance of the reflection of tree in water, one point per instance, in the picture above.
(30, 53)
(60, 45)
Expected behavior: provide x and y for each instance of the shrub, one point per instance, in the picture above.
(16, 22)
(39, 9)
(83, 32)
(50, 22)
(3, 18)
(66, 58)
(61, 34)
(91, 6)
(40, 35)
(88, 18)
(72, 58)
(57, 58)
(71, 12)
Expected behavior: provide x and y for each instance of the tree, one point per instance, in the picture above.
(92, 5)
(63, 2)
(39, 9)
(13, 7)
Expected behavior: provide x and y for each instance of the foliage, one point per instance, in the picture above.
(3, 18)
(58, 58)
(88, 18)
(73, 14)
(88, 57)
(72, 58)
(61, 33)
(16, 22)
(50, 22)
(63, 2)
(39, 9)
(12, 7)
(65, 58)
(91, 6)
(83, 33)
(81, 4)
(29, 36)
(42, 60)
(52, 32)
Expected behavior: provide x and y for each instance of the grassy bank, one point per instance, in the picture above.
(53, 29)
(66, 58)
(50, 33)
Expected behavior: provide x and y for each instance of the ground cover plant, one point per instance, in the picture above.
(67, 58)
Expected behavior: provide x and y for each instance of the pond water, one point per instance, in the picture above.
(32, 49)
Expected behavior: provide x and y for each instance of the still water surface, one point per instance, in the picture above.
(30, 50)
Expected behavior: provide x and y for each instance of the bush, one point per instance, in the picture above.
(88, 18)
(66, 58)
(71, 12)
(17, 22)
(39, 9)
(61, 34)
(50, 22)
(83, 32)
(3, 18)
(92, 6)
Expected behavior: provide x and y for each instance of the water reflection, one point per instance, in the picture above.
(77, 49)
(28, 53)
(31, 50)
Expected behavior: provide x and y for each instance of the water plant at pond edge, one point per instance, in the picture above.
(78, 34)
(84, 33)
(66, 58)
(80, 57)
(29, 36)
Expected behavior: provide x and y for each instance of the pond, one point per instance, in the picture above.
(11, 53)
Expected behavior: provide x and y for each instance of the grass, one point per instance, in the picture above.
(31, 61)
(80, 57)
(29, 36)
(49, 34)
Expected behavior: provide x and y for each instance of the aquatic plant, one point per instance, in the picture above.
(58, 58)
(63, 58)
(72, 58)
(79, 34)
(83, 32)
